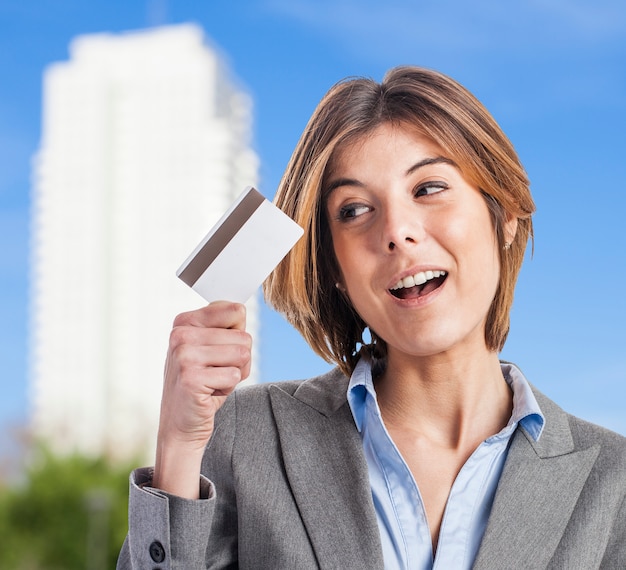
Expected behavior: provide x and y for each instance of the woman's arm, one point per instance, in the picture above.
(208, 355)
(171, 506)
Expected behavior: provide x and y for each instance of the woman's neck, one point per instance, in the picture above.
(456, 402)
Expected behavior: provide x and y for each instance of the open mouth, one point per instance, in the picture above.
(418, 285)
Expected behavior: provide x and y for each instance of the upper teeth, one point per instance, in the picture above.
(417, 279)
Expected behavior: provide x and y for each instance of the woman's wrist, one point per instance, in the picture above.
(177, 470)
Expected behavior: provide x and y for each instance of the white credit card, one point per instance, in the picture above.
(241, 250)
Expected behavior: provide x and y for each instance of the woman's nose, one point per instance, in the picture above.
(401, 228)
(392, 244)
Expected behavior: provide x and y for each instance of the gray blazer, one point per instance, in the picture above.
(289, 489)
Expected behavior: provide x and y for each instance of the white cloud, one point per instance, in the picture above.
(536, 56)
(595, 21)
(391, 29)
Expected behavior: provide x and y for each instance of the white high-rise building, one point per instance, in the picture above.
(145, 143)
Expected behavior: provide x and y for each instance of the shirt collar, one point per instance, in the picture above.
(361, 384)
(526, 410)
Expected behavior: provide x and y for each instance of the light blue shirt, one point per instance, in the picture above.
(404, 530)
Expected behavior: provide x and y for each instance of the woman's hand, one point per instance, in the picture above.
(209, 354)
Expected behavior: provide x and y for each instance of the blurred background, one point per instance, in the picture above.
(126, 129)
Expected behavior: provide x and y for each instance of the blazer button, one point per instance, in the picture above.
(157, 552)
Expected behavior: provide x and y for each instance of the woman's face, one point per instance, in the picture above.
(414, 241)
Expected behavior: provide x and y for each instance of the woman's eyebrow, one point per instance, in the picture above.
(342, 182)
(429, 161)
(421, 164)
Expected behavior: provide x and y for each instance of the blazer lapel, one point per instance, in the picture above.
(327, 472)
(537, 493)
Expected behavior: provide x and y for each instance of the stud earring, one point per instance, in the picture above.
(507, 245)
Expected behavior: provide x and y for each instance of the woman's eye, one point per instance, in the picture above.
(353, 211)
(429, 188)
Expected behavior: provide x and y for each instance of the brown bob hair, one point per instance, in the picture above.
(302, 287)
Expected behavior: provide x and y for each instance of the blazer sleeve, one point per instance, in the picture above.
(173, 533)
(163, 529)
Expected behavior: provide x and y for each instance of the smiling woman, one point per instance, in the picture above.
(466, 137)
(412, 214)
(421, 449)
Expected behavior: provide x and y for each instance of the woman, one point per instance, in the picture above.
(421, 449)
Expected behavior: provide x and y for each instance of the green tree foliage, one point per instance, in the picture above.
(69, 513)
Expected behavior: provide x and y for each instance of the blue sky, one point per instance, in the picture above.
(553, 73)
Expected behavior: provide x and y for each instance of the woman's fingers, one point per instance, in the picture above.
(209, 354)
(219, 314)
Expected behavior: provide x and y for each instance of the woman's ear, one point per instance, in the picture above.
(510, 229)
